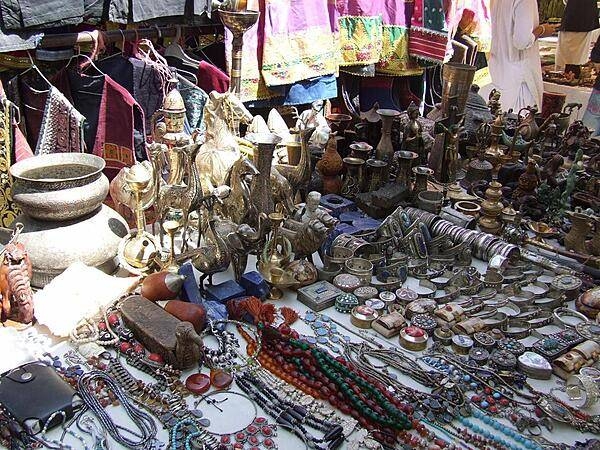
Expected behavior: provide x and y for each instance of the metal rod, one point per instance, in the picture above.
(70, 39)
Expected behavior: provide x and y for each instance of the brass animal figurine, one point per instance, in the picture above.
(298, 175)
(306, 237)
(238, 205)
(181, 197)
(243, 241)
(15, 276)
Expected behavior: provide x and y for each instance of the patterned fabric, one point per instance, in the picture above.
(62, 126)
(298, 42)
(360, 39)
(375, 31)
(194, 99)
(428, 33)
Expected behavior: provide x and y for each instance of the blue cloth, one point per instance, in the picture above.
(303, 92)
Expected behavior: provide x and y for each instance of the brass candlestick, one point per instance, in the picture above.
(137, 252)
(171, 227)
(238, 22)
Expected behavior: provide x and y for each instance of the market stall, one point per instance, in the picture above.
(228, 226)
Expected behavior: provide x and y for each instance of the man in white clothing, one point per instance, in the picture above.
(515, 65)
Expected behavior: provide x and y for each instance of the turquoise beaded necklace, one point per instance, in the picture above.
(175, 433)
(522, 441)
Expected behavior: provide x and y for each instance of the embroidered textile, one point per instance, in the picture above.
(360, 39)
(428, 32)
(62, 126)
(115, 120)
(298, 41)
(48, 120)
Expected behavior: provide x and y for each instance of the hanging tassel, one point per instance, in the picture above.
(264, 313)
(289, 315)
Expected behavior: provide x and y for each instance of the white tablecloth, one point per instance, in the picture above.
(286, 441)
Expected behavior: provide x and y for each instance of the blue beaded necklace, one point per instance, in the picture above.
(522, 441)
(326, 332)
(176, 434)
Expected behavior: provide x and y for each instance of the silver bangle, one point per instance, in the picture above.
(582, 390)
(562, 312)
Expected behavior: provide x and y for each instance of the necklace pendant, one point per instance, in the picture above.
(198, 383)
(220, 379)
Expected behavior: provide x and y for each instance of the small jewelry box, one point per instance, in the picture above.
(318, 296)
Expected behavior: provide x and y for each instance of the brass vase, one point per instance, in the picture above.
(238, 22)
(375, 174)
(422, 174)
(385, 148)
(353, 177)
(457, 80)
(260, 190)
(405, 162)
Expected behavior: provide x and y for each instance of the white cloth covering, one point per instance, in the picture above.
(573, 48)
(515, 65)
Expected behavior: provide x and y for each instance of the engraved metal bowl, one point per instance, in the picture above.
(60, 186)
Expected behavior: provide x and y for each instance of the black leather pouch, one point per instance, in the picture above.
(32, 392)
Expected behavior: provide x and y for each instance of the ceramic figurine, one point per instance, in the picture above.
(15, 276)
(313, 210)
(330, 166)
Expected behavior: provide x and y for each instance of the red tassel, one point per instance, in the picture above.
(289, 315)
(253, 305)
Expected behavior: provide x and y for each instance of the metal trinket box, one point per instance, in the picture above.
(318, 296)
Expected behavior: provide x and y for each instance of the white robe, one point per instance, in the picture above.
(573, 48)
(515, 65)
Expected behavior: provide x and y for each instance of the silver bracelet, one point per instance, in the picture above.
(582, 390)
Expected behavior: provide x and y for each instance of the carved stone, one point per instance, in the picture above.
(162, 333)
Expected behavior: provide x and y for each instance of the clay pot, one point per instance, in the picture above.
(188, 312)
(580, 228)
(162, 286)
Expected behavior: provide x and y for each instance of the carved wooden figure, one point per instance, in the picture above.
(15, 276)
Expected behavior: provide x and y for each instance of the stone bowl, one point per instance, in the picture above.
(60, 186)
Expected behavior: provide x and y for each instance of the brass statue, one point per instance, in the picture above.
(413, 135)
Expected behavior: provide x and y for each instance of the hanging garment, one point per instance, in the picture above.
(515, 65)
(115, 121)
(211, 78)
(139, 79)
(13, 148)
(298, 43)
(194, 99)
(19, 14)
(48, 120)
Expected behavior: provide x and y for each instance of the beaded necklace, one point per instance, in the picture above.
(318, 374)
(290, 415)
